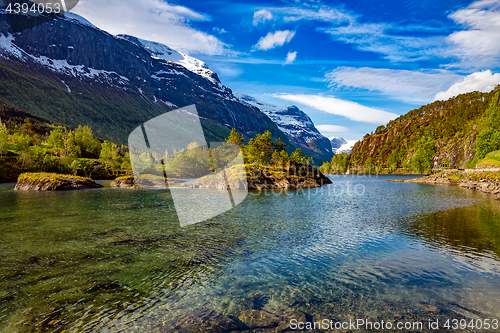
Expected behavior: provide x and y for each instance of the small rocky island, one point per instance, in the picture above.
(259, 177)
(53, 182)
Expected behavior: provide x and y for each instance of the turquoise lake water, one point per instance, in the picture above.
(111, 260)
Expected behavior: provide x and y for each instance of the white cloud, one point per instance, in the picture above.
(481, 81)
(479, 43)
(348, 109)
(272, 40)
(476, 46)
(152, 20)
(333, 15)
(290, 58)
(403, 85)
(376, 37)
(262, 15)
(332, 129)
(220, 30)
(396, 43)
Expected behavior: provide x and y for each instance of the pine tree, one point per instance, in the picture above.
(235, 137)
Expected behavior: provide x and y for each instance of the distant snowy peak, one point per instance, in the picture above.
(164, 52)
(342, 145)
(289, 119)
(296, 125)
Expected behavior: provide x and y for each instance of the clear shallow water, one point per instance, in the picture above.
(111, 260)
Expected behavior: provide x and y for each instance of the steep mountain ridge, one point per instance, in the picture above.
(296, 125)
(71, 72)
(164, 52)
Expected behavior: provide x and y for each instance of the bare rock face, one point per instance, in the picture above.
(53, 182)
(123, 182)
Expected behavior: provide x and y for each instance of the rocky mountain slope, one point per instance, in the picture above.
(297, 126)
(449, 128)
(70, 72)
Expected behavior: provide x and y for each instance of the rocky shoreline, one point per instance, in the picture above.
(53, 182)
(129, 182)
(483, 181)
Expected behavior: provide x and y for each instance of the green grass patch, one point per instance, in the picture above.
(488, 162)
(494, 155)
(46, 177)
(491, 159)
(125, 178)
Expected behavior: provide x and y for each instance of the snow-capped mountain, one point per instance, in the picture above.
(164, 52)
(68, 71)
(341, 145)
(297, 125)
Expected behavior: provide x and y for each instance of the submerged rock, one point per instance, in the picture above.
(202, 320)
(258, 319)
(53, 182)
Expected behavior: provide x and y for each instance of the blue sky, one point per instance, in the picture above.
(350, 65)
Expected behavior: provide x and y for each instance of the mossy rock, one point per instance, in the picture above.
(53, 182)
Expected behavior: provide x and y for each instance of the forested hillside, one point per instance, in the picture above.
(456, 133)
(33, 144)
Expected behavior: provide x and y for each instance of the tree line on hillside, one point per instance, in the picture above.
(60, 150)
(411, 142)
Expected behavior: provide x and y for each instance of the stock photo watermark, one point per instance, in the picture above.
(27, 14)
(172, 148)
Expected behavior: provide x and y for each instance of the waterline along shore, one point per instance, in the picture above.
(487, 181)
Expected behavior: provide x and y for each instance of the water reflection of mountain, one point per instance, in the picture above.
(467, 230)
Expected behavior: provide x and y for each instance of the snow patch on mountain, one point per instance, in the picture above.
(162, 51)
(78, 19)
(59, 66)
(80, 71)
(6, 44)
